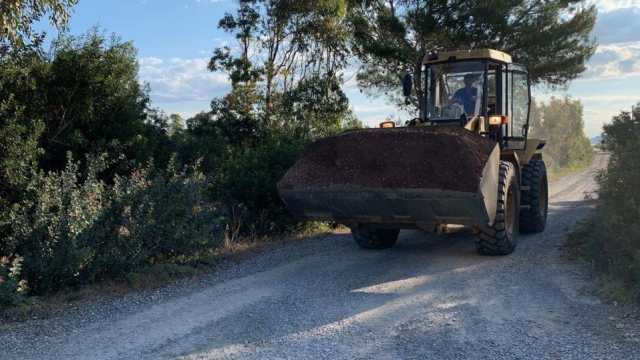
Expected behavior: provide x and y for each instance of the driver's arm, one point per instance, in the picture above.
(458, 96)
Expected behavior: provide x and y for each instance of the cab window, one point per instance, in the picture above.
(519, 104)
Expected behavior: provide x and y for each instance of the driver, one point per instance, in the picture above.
(468, 95)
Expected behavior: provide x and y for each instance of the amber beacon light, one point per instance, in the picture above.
(498, 120)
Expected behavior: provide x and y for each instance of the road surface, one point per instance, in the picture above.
(429, 297)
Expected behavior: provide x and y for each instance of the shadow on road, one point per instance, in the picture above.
(343, 286)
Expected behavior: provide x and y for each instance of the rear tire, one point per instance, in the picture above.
(533, 218)
(377, 239)
(501, 238)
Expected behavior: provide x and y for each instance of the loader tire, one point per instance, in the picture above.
(370, 238)
(501, 238)
(535, 200)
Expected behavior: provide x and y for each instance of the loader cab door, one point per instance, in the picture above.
(518, 101)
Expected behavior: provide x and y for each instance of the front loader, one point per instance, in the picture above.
(467, 160)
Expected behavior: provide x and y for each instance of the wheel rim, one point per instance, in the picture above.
(510, 212)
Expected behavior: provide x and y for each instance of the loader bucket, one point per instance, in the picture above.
(399, 178)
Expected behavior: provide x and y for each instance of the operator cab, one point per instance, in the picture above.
(454, 91)
(481, 90)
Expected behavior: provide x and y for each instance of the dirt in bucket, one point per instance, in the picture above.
(410, 158)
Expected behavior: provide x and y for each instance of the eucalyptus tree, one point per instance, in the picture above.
(280, 44)
(17, 17)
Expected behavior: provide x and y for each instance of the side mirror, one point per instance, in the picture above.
(407, 85)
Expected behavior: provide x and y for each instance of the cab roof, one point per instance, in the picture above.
(480, 54)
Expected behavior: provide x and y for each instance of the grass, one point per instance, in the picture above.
(615, 290)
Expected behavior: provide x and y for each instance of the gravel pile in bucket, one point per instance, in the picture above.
(409, 158)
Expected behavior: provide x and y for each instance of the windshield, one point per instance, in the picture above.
(454, 90)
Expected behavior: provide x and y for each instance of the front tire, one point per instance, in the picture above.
(376, 239)
(535, 200)
(501, 238)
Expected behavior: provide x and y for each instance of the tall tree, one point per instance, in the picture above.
(235, 113)
(86, 93)
(561, 123)
(282, 43)
(391, 37)
(317, 107)
(176, 124)
(623, 131)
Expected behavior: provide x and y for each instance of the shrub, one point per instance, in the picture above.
(85, 93)
(75, 228)
(611, 239)
(49, 224)
(247, 179)
(19, 155)
(152, 216)
(12, 287)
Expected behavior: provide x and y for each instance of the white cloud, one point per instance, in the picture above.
(610, 5)
(614, 61)
(180, 79)
(150, 61)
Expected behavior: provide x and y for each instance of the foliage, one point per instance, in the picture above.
(317, 107)
(81, 97)
(19, 153)
(560, 122)
(281, 43)
(86, 93)
(612, 238)
(12, 287)
(237, 117)
(73, 228)
(285, 77)
(20, 131)
(176, 125)
(391, 37)
(246, 183)
(202, 140)
(17, 17)
(154, 215)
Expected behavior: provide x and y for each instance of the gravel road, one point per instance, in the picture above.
(428, 298)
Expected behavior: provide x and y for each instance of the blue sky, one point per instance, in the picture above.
(176, 37)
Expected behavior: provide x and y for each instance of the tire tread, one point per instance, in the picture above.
(532, 218)
(493, 240)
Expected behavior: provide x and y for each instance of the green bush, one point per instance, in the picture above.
(153, 216)
(247, 179)
(49, 224)
(611, 238)
(74, 228)
(12, 286)
(19, 154)
(85, 93)
(111, 216)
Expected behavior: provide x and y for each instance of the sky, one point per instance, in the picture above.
(175, 39)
